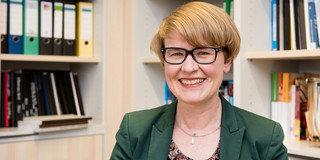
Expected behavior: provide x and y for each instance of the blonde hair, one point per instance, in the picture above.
(199, 22)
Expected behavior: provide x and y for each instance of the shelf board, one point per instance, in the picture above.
(47, 58)
(285, 55)
(150, 60)
(12, 132)
(19, 134)
(303, 148)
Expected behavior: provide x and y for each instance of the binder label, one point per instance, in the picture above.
(86, 22)
(31, 23)
(58, 7)
(69, 21)
(3, 17)
(46, 19)
(16, 18)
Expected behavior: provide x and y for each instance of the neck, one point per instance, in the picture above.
(193, 117)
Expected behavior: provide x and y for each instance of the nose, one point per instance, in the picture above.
(189, 65)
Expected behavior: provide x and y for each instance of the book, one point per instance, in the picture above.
(300, 25)
(286, 24)
(314, 40)
(54, 122)
(55, 94)
(274, 102)
(300, 126)
(280, 26)
(77, 86)
(274, 25)
(293, 41)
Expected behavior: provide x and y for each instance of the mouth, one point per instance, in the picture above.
(191, 82)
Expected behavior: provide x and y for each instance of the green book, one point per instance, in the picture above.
(31, 27)
(227, 5)
(274, 85)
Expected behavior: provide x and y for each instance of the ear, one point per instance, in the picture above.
(227, 65)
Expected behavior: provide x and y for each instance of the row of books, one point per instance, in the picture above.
(168, 95)
(296, 104)
(294, 24)
(226, 90)
(46, 27)
(27, 93)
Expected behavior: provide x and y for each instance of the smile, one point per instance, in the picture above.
(191, 82)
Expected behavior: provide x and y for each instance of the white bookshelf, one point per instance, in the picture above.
(256, 62)
(92, 79)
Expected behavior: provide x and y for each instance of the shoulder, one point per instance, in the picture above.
(257, 127)
(267, 135)
(252, 120)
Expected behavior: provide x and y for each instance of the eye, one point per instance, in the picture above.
(175, 53)
(203, 53)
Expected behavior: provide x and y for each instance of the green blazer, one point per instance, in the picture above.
(146, 135)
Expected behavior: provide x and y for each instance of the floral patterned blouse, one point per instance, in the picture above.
(176, 154)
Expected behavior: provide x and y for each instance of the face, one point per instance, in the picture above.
(190, 82)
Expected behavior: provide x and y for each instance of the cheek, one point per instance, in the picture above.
(170, 71)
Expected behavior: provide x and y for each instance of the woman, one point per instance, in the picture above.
(196, 44)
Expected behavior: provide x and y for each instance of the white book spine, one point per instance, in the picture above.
(307, 25)
(55, 94)
(76, 101)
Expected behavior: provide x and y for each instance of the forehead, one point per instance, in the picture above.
(175, 39)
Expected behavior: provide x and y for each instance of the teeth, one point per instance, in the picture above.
(195, 81)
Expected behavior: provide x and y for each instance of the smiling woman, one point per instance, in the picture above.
(196, 44)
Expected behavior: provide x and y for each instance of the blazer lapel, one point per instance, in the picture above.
(231, 135)
(161, 134)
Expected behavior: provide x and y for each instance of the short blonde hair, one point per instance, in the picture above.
(197, 22)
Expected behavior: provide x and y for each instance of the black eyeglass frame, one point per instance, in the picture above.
(163, 51)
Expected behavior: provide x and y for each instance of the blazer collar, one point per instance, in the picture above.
(161, 134)
(230, 137)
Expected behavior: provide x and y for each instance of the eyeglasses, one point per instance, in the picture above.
(202, 55)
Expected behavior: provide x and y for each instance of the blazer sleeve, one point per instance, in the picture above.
(277, 151)
(122, 148)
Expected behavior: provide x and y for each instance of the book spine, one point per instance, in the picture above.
(274, 25)
(75, 96)
(312, 25)
(297, 121)
(280, 86)
(6, 107)
(77, 85)
(55, 94)
(292, 26)
(274, 77)
(48, 112)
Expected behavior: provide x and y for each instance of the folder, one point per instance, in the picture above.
(69, 29)
(15, 27)
(57, 27)
(45, 42)
(30, 29)
(84, 46)
(3, 26)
